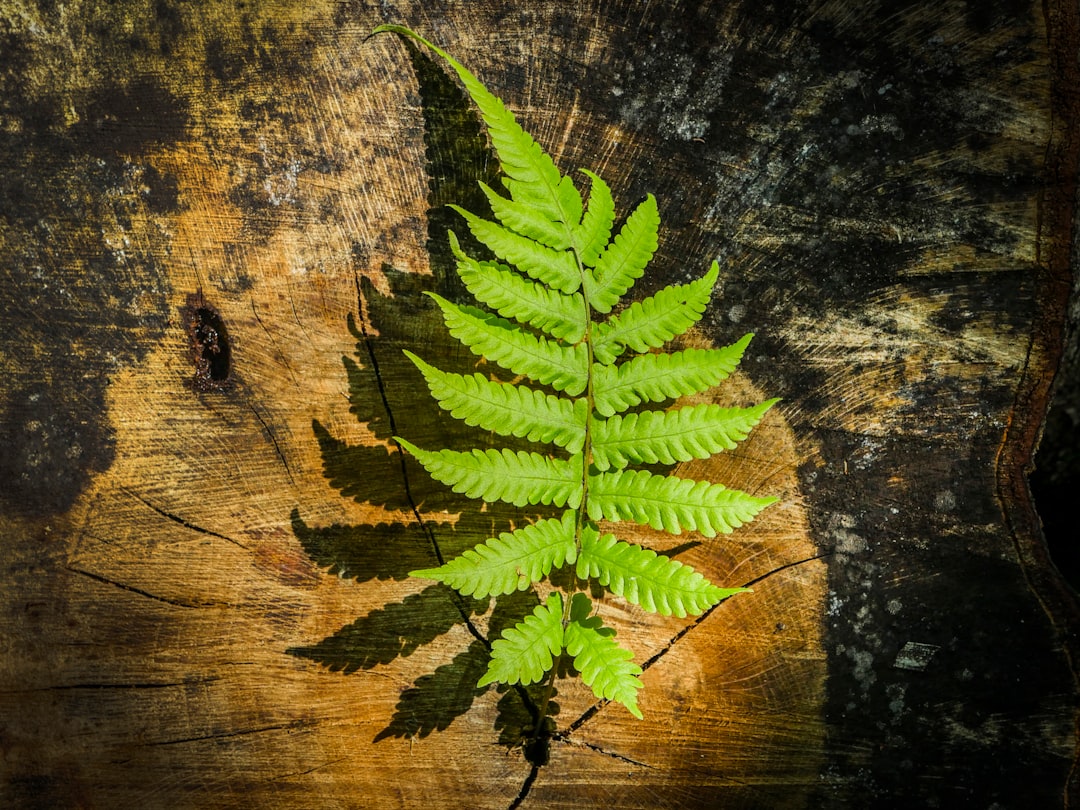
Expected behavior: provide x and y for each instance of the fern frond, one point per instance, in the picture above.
(512, 296)
(643, 577)
(604, 665)
(519, 478)
(625, 259)
(557, 261)
(592, 235)
(550, 362)
(556, 268)
(658, 377)
(531, 171)
(527, 220)
(652, 322)
(505, 409)
(510, 562)
(525, 652)
(670, 503)
(669, 437)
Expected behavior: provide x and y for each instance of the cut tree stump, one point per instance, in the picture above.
(218, 221)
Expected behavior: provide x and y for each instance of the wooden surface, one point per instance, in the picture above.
(205, 209)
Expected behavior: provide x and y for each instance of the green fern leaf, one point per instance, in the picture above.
(669, 437)
(641, 576)
(527, 220)
(651, 323)
(531, 171)
(519, 478)
(595, 230)
(525, 652)
(508, 410)
(658, 377)
(625, 259)
(556, 268)
(556, 262)
(550, 362)
(506, 292)
(670, 503)
(603, 664)
(510, 562)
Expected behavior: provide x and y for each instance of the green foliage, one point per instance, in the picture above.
(510, 562)
(556, 316)
(525, 652)
(603, 664)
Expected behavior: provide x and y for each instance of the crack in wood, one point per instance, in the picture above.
(822, 556)
(181, 521)
(67, 687)
(568, 740)
(139, 591)
(704, 616)
(566, 737)
(319, 767)
(224, 735)
(273, 440)
(281, 355)
(526, 786)
(474, 631)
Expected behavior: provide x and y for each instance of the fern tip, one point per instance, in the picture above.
(427, 573)
(407, 446)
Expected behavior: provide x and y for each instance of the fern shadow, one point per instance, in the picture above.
(388, 396)
(435, 700)
(395, 630)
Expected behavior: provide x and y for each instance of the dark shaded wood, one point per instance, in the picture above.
(204, 209)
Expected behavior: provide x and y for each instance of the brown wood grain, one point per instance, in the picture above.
(889, 189)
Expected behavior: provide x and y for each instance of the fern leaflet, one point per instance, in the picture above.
(509, 410)
(524, 653)
(651, 323)
(550, 362)
(592, 235)
(669, 437)
(518, 478)
(526, 220)
(506, 292)
(510, 562)
(657, 377)
(625, 259)
(669, 503)
(556, 268)
(643, 577)
(603, 664)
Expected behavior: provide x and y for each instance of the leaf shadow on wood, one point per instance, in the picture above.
(434, 700)
(427, 523)
(395, 630)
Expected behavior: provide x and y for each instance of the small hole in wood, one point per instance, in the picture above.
(209, 344)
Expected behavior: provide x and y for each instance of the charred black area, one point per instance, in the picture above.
(75, 174)
(1056, 479)
(54, 439)
(130, 118)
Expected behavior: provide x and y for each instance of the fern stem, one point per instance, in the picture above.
(549, 690)
(583, 508)
(590, 405)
